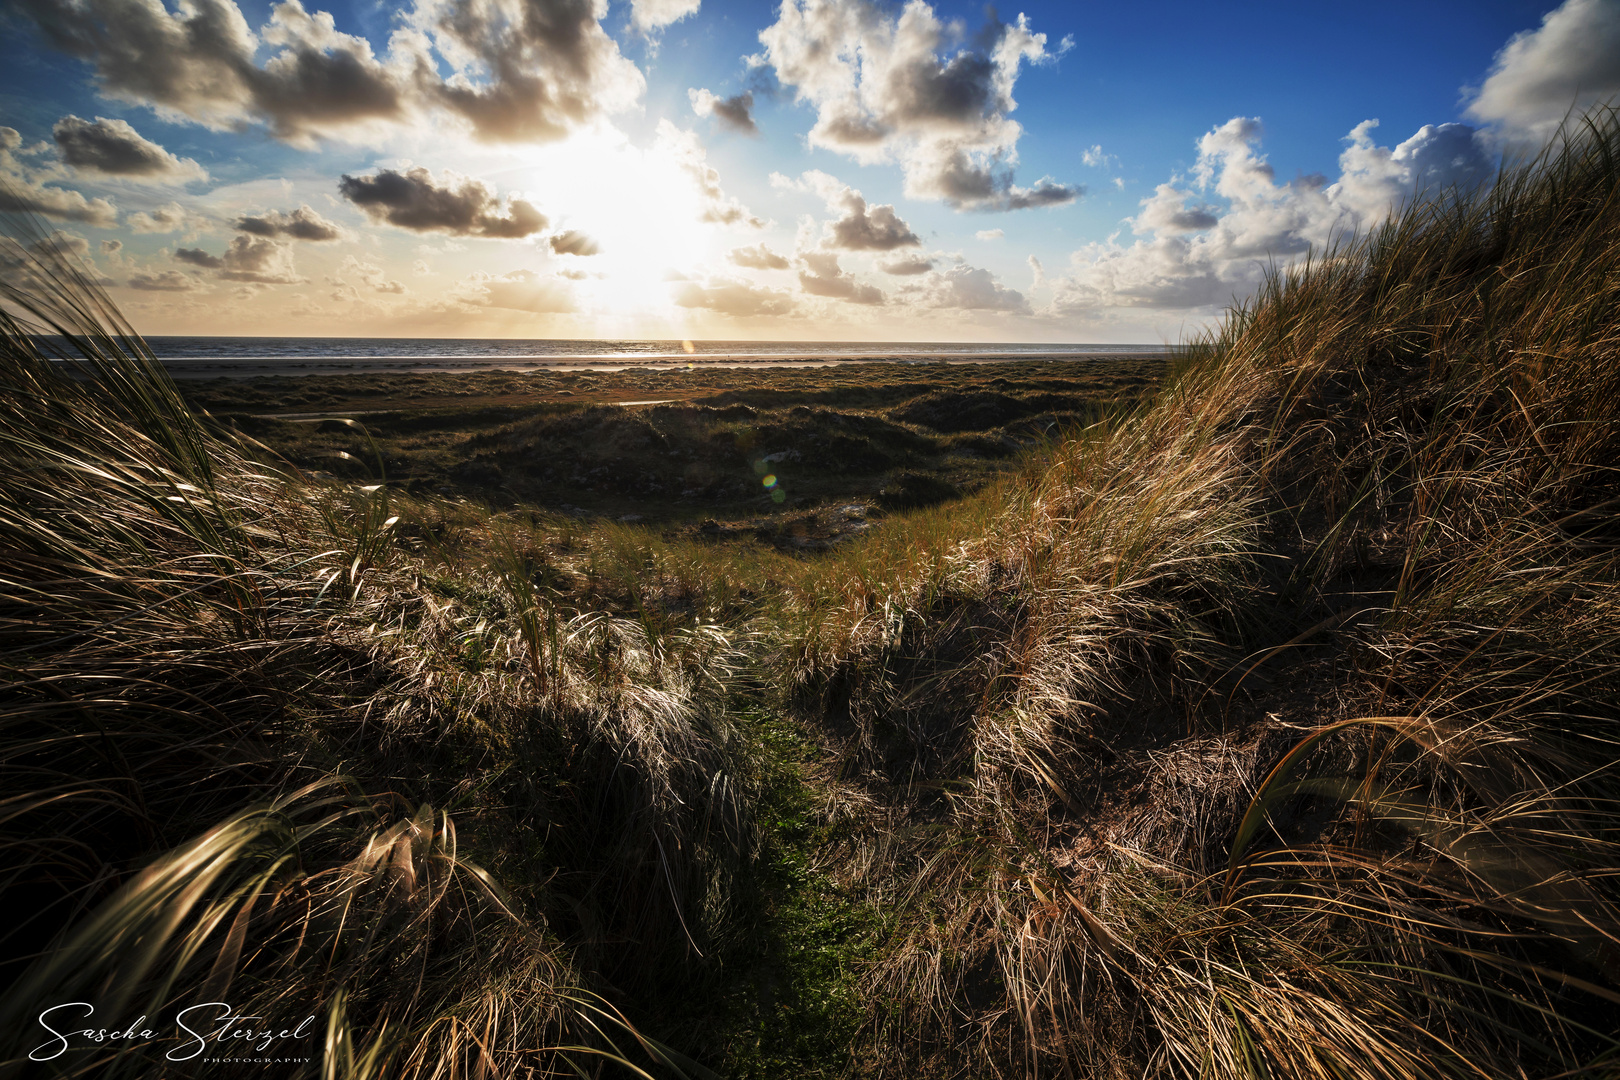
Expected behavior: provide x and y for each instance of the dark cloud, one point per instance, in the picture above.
(163, 281)
(198, 257)
(889, 88)
(859, 227)
(907, 265)
(461, 206)
(731, 297)
(199, 62)
(864, 228)
(824, 278)
(967, 183)
(24, 189)
(113, 148)
(758, 257)
(251, 259)
(519, 69)
(302, 224)
(574, 242)
(525, 70)
(735, 113)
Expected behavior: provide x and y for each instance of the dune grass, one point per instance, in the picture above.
(1264, 728)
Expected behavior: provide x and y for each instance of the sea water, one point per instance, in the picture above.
(211, 357)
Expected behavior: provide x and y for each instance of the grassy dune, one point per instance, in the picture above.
(1266, 727)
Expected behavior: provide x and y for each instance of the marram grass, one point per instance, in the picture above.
(1267, 729)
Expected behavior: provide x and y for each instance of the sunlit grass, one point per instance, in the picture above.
(1263, 728)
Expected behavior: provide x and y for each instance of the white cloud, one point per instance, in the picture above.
(370, 274)
(732, 296)
(989, 234)
(1192, 251)
(166, 219)
(519, 290)
(687, 152)
(1094, 157)
(882, 91)
(1569, 63)
(652, 15)
(758, 257)
(968, 288)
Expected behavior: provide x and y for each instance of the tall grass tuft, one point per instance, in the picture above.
(258, 748)
(1269, 729)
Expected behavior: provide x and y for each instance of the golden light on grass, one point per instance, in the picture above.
(1262, 729)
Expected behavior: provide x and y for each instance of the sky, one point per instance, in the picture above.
(849, 170)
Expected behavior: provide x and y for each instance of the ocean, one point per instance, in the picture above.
(212, 357)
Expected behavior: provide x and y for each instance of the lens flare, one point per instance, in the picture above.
(770, 480)
(689, 347)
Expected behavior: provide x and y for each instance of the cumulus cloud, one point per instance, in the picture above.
(969, 288)
(164, 281)
(524, 70)
(370, 274)
(518, 71)
(989, 234)
(822, 277)
(907, 265)
(24, 188)
(198, 257)
(113, 148)
(650, 16)
(688, 154)
(574, 242)
(858, 227)
(252, 259)
(729, 296)
(519, 290)
(260, 261)
(1570, 62)
(758, 257)
(460, 205)
(1094, 157)
(735, 112)
(882, 91)
(167, 219)
(302, 224)
(1192, 251)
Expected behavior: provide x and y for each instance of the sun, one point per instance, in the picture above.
(642, 207)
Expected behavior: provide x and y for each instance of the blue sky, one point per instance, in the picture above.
(569, 168)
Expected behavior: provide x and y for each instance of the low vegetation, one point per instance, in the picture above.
(1265, 726)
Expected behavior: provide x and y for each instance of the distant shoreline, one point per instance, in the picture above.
(258, 367)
